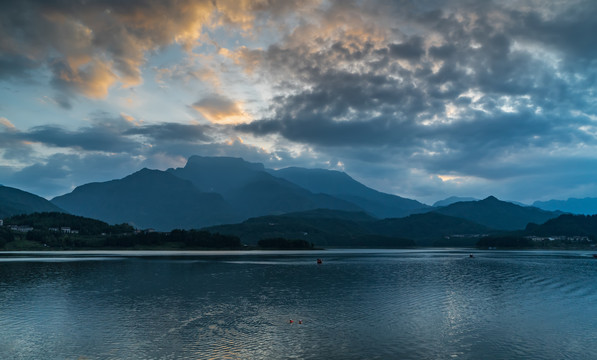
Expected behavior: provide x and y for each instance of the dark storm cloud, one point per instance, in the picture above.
(173, 131)
(410, 50)
(571, 31)
(480, 95)
(15, 66)
(105, 134)
(95, 138)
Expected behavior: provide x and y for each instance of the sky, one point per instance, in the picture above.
(424, 99)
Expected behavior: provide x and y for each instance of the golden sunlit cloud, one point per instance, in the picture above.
(92, 79)
(221, 110)
(131, 119)
(7, 124)
(450, 178)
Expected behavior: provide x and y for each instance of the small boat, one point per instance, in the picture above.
(319, 261)
(471, 256)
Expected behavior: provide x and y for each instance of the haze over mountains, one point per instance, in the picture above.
(585, 206)
(329, 205)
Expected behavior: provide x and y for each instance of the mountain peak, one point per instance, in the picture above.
(146, 173)
(453, 199)
(497, 214)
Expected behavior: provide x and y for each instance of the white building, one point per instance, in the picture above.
(20, 228)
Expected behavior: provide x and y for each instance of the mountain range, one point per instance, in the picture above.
(332, 207)
(218, 190)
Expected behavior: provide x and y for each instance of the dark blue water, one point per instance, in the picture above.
(356, 305)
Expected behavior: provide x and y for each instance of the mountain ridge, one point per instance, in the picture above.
(147, 199)
(497, 214)
(343, 186)
(14, 201)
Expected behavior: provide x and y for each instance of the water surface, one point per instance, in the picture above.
(359, 304)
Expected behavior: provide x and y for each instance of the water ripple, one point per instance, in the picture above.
(376, 305)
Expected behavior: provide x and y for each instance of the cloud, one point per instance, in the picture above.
(8, 126)
(173, 132)
(11, 146)
(460, 95)
(220, 109)
(15, 66)
(106, 134)
(92, 79)
(410, 50)
(91, 46)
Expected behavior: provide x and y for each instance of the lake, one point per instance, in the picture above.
(357, 304)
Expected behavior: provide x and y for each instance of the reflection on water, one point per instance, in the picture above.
(357, 304)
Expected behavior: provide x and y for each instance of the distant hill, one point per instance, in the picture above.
(14, 201)
(430, 227)
(565, 225)
(451, 200)
(585, 206)
(342, 186)
(148, 199)
(496, 214)
(322, 227)
(337, 228)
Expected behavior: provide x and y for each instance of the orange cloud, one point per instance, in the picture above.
(219, 109)
(92, 79)
(7, 124)
(131, 120)
(106, 43)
